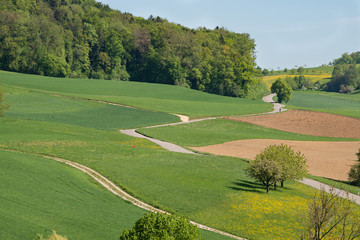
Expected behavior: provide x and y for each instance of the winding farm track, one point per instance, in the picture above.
(106, 183)
(172, 147)
(277, 108)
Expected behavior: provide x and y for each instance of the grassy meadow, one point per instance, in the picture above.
(152, 97)
(39, 195)
(212, 190)
(44, 107)
(336, 103)
(207, 189)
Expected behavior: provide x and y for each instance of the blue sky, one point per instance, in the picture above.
(287, 33)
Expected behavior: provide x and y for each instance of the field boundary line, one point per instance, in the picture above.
(112, 187)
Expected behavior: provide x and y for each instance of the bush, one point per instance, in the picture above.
(161, 226)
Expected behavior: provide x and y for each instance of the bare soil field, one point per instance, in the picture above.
(325, 159)
(308, 122)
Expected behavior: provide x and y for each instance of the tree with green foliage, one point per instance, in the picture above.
(161, 226)
(264, 170)
(354, 173)
(330, 217)
(277, 163)
(345, 79)
(87, 39)
(293, 164)
(3, 107)
(301, 70)
(282, 90)
(265, 72)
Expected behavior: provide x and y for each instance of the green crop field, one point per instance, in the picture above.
(337, 103)
(212, 190)
(207, 189)
(43, 107)
(221, 130)
(155, 97)
(40, 195)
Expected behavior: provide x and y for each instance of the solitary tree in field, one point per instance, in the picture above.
(3, 107)
(282, 89)
(330, 217)
(293, 164)
(264, 170)
(161, 226)
(277, 163)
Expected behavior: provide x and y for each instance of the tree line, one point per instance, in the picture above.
(87, 39)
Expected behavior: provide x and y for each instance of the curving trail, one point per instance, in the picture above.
(175, 148)
(121, 193)
(277, 106)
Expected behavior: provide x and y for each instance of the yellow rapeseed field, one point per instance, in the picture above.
(314, 78)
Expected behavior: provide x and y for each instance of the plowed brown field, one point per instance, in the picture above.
(326, 159)
(308, 122)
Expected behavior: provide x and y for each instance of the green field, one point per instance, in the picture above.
(40, 195)
(337, 103)
(44, 107)
(155, 97)
(207, 189)
(221, 130)
(211, 190)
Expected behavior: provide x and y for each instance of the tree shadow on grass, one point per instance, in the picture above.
(247, 186)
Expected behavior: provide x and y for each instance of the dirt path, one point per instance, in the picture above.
(119, 192)
(277, 106)
(172, 147)
(166, 145)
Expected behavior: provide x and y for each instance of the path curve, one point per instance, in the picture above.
(277, 106)
(166, 145)
(175, 148)
(124, 195)
(312, 183)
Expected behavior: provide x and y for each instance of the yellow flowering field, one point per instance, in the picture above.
(314, 78)
(263, 216)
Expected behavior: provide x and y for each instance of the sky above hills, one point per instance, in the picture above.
(287, 33)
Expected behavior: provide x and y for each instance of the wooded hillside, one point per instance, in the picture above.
(86, 39)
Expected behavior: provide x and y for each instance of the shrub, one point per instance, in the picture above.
(161, 226)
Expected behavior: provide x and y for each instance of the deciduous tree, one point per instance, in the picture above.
(282, 90)
(330, 217)
(264, 170)
(161, 226)
(277, 163)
